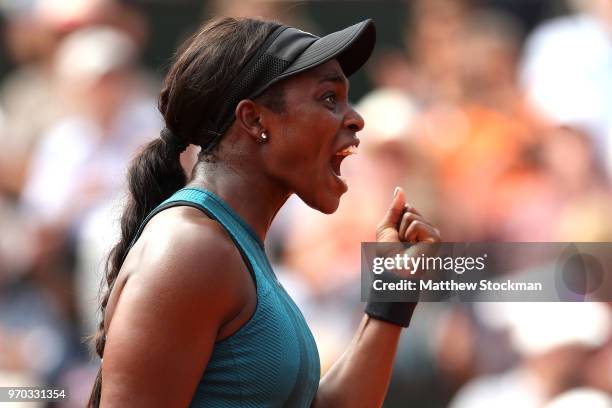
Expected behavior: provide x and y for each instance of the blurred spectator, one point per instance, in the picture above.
(598, 369)
(580, 185)
(62, 166)
(70, 15)
(582, 397)
(286, 13)
(28, 95)
(555, 199)
(457, 342)
(36, 338)
(482, 131)
(553, 340)
(434, 49)
(81, 161)
(566, 70)
(82, 158)
(390, 69)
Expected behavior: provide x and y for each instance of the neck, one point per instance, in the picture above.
(250, 194)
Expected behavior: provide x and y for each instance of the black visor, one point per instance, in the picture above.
(288, 51)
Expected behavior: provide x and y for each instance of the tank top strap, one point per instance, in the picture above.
(249, 244)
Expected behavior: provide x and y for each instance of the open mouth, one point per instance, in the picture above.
(337, 158)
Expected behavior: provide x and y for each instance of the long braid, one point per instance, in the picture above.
(153, 176)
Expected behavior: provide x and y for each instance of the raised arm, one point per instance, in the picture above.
(187, 285)
(360, 377)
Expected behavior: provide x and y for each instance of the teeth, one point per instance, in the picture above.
(348, 151)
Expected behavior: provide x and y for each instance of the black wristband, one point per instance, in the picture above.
(399, 313)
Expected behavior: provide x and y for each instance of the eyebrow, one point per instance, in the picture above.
(334, 77)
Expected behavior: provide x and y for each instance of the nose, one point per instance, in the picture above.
(353, 120)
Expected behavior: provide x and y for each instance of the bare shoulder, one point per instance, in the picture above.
(183, 249)
(185, 280)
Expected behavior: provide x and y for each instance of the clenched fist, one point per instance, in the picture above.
(403, 223)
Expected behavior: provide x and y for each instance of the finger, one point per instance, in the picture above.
(419, 231)
(395, 211)
(412, 209)
(427, 234)
(407, 219)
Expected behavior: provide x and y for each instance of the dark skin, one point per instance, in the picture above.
(167, 302)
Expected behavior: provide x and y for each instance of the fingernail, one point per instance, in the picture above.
(396, 191)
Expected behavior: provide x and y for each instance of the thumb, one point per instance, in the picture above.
(395, 211)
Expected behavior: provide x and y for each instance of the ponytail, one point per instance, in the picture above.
(154, 175)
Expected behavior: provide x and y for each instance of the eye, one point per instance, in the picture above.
(330, 98)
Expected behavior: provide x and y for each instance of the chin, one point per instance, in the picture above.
(323, 196)
(329, 210)
(327, 204)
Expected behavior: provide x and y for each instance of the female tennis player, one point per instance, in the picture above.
(194, 315)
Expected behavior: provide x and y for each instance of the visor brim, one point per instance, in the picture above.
(351, 46)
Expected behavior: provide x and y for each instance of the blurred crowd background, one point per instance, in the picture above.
(495, 116)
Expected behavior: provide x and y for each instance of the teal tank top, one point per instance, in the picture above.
(272, 360)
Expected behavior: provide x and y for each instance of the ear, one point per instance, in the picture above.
(248, 118)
